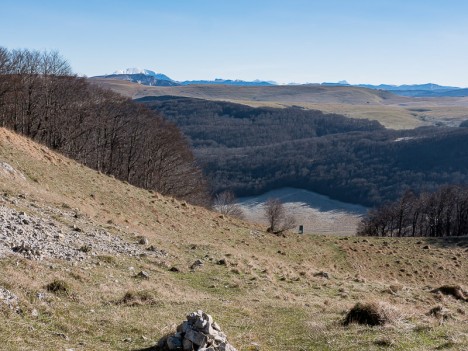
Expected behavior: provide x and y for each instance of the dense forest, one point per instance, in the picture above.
(42, 99)
(441, 213)
(252, 150)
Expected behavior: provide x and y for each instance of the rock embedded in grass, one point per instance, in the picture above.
(142, 275)
(197, 264)
(142, 240)
(8, 298)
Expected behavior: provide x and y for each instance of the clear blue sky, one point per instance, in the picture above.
(362, 41)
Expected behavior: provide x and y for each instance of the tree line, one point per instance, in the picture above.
(441, 213)
(41, 98)
(253, 150)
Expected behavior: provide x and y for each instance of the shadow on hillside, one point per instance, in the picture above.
(448, 242)
(307, 198)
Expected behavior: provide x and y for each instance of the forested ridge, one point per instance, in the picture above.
(441, 213)
(42, 99)
(253, 150)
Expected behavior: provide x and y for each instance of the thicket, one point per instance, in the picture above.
(441, 213)
(253, 150)
(42, 99)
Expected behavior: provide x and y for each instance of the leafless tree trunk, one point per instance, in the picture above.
(225, 203)
(40, 98)
(278, 218)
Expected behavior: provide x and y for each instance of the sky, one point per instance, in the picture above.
(361, 41)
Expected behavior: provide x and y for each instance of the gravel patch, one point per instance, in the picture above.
(39, 237)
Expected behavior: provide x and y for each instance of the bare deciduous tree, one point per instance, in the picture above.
(42, 99)
(279, 220)
(438, 214)
(225, 203)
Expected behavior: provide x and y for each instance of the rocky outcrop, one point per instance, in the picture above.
(199, 332)
(43, 234)
(9, 171)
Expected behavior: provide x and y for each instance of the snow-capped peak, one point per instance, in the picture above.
(135, 70)
(146, 72)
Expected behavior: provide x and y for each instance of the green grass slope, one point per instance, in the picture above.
(269, 295)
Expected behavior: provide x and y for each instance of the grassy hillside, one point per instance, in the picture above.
(267, 295)
(392, 111)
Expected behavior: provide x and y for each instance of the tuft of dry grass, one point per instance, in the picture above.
(59, 287)
(138, 298)
(371, 313)
(453, 290)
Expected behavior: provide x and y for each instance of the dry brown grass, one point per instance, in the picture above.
(266, 294)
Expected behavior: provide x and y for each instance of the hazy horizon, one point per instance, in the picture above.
(363, 42)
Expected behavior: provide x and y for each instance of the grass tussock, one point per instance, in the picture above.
(453, 290)
(371, 314)
(107, 259)
(59, 287)
(138, 298)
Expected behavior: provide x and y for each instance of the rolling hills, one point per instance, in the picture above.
(254, 150)
(267, 292)
(392, 111)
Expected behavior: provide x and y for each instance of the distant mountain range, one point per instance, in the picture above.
(411, 90)
(151, 78)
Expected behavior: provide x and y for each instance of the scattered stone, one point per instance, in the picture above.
(222, 262)
(143, 275)
(199, 332)
(142, 240)
(426, 247)
(174, 342)
(41, 296)
(85, 248)
(395, 288)
(322, 274)
(8, 298)
(197, 264)
(62, 335)
(41, 236)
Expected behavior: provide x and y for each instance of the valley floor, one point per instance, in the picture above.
(318, 214)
